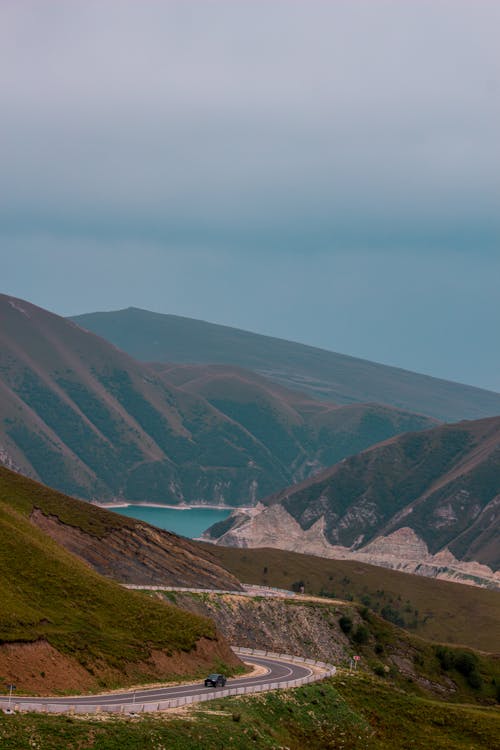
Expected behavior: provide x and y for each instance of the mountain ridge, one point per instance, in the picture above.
(158, 337)
(84, 417)
(427, 500)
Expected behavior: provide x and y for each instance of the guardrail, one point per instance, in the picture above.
(327, 670)
(249, 589)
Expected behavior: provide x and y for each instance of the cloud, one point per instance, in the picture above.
(287, 125)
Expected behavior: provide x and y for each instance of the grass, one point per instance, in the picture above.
(347, 713)
(24, 495)
(437, 610)
(47, 594)
(420, 667)
(403, 659)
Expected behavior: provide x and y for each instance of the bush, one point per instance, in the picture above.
(446, 657)
(345, 623)
(361, 634)
(465, 663)
(392, 615)
(474, 679)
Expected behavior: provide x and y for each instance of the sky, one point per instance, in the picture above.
(323, 171)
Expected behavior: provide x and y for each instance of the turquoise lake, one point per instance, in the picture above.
(191, 522)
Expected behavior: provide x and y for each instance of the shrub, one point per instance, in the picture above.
(361, 634)
(465, 663)
(474, 679)
(345, 623)
(445, 656)
(392, 615)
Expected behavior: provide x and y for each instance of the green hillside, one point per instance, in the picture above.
(436, 610)
(354, 712)
(83, 417)
(154, 337)
(50, 597)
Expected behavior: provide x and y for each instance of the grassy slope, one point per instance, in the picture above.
(447, 612)
(24, 494)
(48, 594)
(154, 337)
(294, 427)
(350, 713)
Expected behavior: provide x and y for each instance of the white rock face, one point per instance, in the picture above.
(402, 550)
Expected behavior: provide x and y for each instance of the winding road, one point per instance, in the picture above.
(278, 671)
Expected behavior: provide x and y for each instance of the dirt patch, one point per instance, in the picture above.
(38, 668)
(205, 654)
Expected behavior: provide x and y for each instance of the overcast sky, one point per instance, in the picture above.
(328, 172)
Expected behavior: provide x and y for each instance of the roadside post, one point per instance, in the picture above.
(11, 688)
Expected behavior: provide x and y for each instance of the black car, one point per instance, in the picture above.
(215, 680)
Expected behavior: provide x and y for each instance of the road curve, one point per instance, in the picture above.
(278, 671)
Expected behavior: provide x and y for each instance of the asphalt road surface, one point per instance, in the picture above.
(277, 671)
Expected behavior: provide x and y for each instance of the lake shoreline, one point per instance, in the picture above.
(171, 518)
(183, 506)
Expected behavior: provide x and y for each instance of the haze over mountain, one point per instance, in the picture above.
(85, 418)
(155, 337)
(425, 502)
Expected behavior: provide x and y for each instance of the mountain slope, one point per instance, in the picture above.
(122, 548)
(303, 433)
(85, 418)
(322, 374)
(65, 627)
(430, 498)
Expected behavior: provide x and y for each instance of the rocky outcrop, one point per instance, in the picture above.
(402, 550)
(426, 502)
(139, 554)
(306, 629)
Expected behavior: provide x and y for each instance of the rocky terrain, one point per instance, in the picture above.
(426, 503)
(332, 631)
(283, 626)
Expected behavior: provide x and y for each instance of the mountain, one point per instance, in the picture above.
(64, 627)
(301, 432)
(85, 418)
(426, 502)
(154, 337)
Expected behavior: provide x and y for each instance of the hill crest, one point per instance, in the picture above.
(158, 337)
